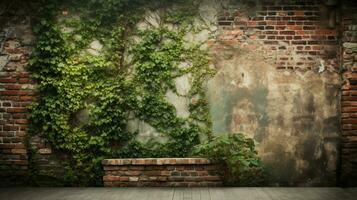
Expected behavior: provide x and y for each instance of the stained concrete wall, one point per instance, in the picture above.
(293, 116)
(278, 82)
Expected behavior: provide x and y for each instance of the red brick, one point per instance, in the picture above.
(349, 121)
(12, 146)
(152, 173)
(326, 32)
(202, 173)
(133, 173)
(194, 178)
(24, 80)
(165, 173)
(252, 23)
(349, 109)
(18, 151)
(349, 98)
(137, 167)
(299, 13)
(23, 128)
(24, 75)
(294, 27)
(15, 162)
(26, 98)
(349, 103)
(8, 80)
(12, 87)
(349, 127)
(19, 116)
(11, 128)
(10, 98)
(21, 121)
(16, 110)
(212, 178)
(133, 179)
(9, 93)
(162, 179)
(20, 134)
(287, 32)
(349, 93)
(109, 178)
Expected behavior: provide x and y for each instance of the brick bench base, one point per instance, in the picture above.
(175, 172)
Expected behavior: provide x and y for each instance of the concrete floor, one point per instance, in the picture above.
(178, 193)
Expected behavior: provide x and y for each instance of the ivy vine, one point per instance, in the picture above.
(106, 88)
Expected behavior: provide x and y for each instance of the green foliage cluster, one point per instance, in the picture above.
(107, 89)
(238, 153)
(157, 61)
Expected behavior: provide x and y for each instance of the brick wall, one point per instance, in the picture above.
(299, 39)
(16, 92)
(294, 36)
(349, 94)
(181, 172)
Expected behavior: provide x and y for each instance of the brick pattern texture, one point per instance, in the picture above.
(152, 172)
(349, 95)
(294, 37)
(16, 92)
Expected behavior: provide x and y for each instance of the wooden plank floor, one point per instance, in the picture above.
(227, 193)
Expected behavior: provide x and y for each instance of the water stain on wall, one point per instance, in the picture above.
(292, 115)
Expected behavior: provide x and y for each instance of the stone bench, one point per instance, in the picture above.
(174, 172)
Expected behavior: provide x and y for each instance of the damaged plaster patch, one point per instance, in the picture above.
(182, 84)
(3, 61)
(180, 103)
(95, 47)
(145, 131)
(286, 112)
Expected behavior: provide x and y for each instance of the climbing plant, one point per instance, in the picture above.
(238, 154)
(95, 70)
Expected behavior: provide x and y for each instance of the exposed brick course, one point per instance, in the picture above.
(13, 100)
(17, 91)
(349, 92)
(294, 36)
(181, 172)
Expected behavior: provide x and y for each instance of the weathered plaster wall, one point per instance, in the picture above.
(278, 82)
(292, 115)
